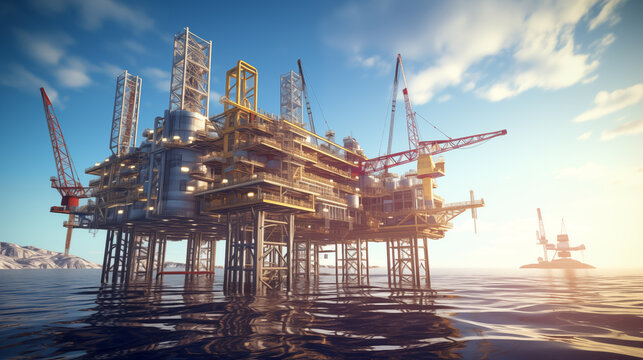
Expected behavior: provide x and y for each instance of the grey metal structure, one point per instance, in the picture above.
(125, 117)
(190, 84)
(291, 97)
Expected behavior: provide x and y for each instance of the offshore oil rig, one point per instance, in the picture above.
(275, 191)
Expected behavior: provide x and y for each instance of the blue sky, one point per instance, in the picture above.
(564, 78)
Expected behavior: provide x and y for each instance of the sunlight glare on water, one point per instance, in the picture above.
(508, 314)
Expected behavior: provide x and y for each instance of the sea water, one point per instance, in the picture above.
(468, 314)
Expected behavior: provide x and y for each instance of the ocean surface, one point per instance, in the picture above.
(472, 314)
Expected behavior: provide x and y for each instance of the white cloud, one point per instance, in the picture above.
(372, 62)
(214, 97)
(469, 86)
(584, 136)
(444, 98)
(606, 14)
(609, 102)
(160, 78)
(71, 77)
(629, 128)
(590, 79)
(134, 46)
(45, 48)
(607, 40)
(545, 56)
(530, 42)
(17, 77)
(50, 50)
(73, 73)
(93, 14)
(214, 102)
(109, 69)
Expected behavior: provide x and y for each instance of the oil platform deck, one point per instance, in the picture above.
(279, 195)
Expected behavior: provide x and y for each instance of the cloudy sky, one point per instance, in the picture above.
(563, 77)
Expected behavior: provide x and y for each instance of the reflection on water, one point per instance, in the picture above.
(523, 315)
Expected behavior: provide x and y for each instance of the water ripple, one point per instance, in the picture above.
(468, 314)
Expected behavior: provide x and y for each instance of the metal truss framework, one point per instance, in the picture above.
(125, 117)
(132, 256)
(67, 183)
(200, 255)
(116, 258)
(408, 262)
(258, 252)
(241, 87)
(190, 84)
(306, 260)
(351, 262)
(432, 147)
(291, 104)
(142, 255)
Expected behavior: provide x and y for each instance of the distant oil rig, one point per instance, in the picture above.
(277, 193)
(561, 249)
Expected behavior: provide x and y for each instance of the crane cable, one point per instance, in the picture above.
(435, 127)
(386, 122)
(318, 104)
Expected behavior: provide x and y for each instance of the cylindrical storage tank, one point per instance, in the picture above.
(183, 124)
(391, 184)
(177, 198)
(368, 181)
(353, 201)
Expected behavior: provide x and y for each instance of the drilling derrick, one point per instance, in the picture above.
(190, 84)
(125, 118)
(66, 182)
(290, 97)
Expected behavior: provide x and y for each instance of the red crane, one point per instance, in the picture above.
(67, 182)
(431, 147)
(416, 146)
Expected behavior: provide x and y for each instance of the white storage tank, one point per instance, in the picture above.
(177, 197)
(353, 201)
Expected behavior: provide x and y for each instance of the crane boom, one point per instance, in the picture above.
(303, 87)
(411, 125)
(431, 147)
(542, 239)
(67, 182)
(541, 228)
(395, 82)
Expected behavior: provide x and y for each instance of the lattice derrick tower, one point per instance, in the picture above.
(190, 82)
(125, 116)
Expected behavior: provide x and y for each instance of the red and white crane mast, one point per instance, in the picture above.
(67, 182)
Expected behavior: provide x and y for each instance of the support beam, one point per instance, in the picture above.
(408, 263)
(258, 258)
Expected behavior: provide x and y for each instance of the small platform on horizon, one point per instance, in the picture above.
(559, 264)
